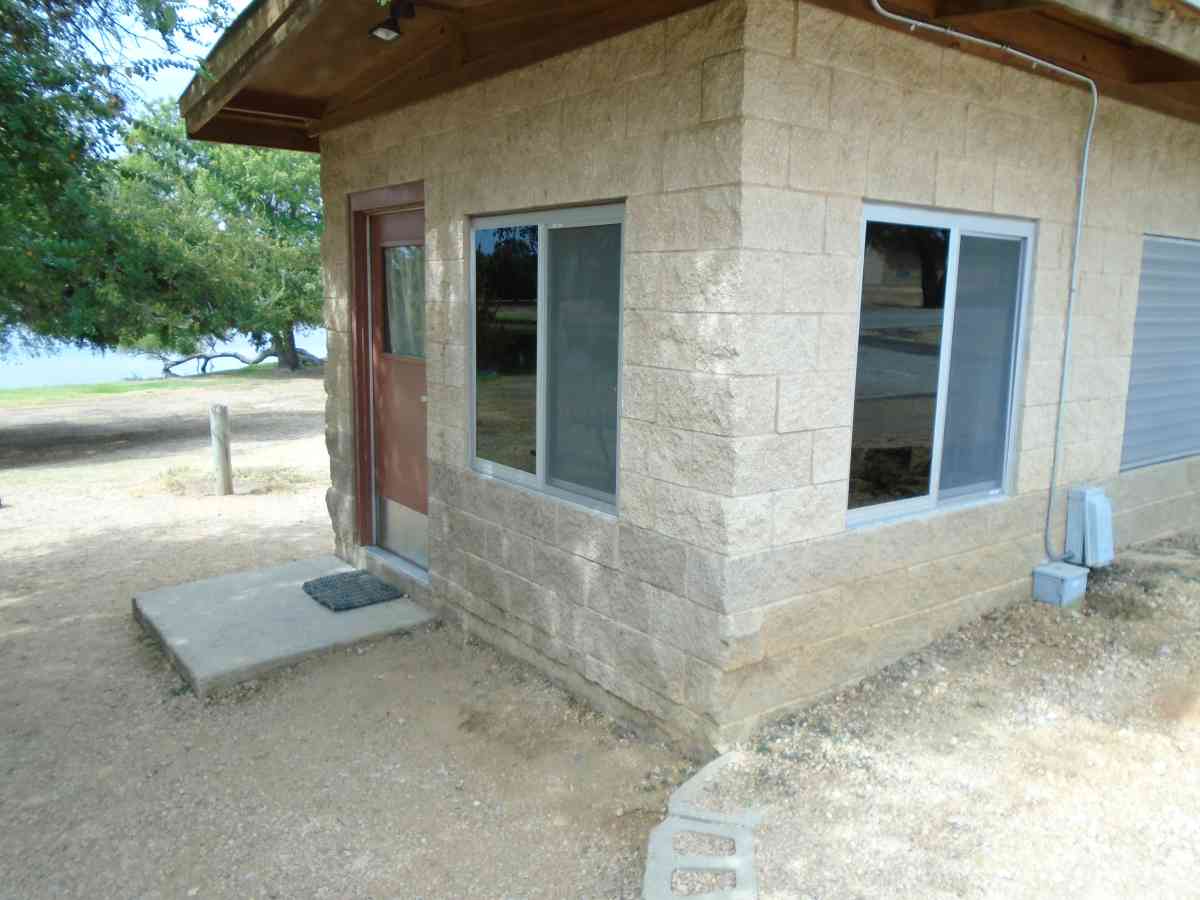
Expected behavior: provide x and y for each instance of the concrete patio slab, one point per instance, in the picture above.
(225, 630)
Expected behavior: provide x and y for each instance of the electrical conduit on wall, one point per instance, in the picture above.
(913, 25)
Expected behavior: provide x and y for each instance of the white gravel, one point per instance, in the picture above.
(417, 767)
(1033, 754)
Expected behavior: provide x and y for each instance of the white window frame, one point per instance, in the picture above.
(959, 225)
(545, 221)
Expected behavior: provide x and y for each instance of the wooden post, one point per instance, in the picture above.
(218, 426)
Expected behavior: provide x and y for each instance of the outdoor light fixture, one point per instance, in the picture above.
(389, 28)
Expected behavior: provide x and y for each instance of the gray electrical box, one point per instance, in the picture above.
(1089, 527)
(1059, 583)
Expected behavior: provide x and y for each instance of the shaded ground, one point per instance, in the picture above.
(1032, 754)
(417, 767)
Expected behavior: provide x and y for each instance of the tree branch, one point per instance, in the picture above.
(206, 359)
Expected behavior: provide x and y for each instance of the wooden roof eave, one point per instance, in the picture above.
(456, 42)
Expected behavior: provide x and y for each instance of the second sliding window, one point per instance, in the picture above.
(942, 304)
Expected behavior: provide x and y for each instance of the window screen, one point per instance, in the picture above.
(981, 365)
(584, 306)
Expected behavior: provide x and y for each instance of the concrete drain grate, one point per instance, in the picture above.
(687, 817)
(663, 860)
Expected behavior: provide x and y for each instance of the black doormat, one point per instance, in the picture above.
(350, 590)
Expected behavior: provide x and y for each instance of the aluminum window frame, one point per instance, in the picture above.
(545, 221)
(959, 225)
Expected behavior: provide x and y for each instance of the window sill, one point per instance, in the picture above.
(528, 483)
(870, 517)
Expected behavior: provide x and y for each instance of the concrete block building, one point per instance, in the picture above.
(709, 356)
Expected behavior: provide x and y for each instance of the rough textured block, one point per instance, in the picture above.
(708, 154)
(782, 220)
(827, 161)
(652, 557)
(901, 174)
(818, 282)
(786, 90)
(816, 399)
(804, 513)
(725, 524)
(717, 404)
(586, 533)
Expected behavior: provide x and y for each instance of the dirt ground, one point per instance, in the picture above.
(418, 767)
(1033, 754)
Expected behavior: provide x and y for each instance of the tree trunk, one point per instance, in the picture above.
(285, 348)
(933, 274)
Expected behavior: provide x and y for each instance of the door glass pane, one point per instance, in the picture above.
(583, 307)
(981, 360)
(899, 345)
(506, 346)
(404, 275)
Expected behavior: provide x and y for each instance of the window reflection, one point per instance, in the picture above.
(899, 347)
(506, 346)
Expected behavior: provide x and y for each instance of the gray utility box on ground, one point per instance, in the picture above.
(1089, 527)
(1059, 583)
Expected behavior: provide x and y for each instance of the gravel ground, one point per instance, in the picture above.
(1035, 753)
(417, 767)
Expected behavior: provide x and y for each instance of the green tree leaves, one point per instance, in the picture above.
(115, 232)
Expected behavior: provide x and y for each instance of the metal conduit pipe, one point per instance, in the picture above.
(1036, 62)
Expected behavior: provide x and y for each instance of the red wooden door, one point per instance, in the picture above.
(399, 400)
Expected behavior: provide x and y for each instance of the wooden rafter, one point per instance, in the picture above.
(958, 12)
(278, 106)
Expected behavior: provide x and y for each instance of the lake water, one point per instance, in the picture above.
(74, 366)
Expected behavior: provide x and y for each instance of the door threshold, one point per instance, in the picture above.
(398, 563)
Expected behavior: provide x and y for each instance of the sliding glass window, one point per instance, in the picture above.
(942, 300)
(546, 290)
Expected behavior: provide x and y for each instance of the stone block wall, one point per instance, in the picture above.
(743, 138)
(608, 604)
(870, 113)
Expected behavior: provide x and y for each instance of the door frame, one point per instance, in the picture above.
(409, 197)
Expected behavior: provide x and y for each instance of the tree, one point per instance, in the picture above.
(506, 279)
(900, 243)
(254, 215)
(66, 91)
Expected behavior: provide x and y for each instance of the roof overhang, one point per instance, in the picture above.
(287, 70)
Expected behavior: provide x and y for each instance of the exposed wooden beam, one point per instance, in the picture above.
(1047, 31)
(291, 20)
(275, 105)
(1179, 91)
(223, 129)
(955, 12)
(1117, 69)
